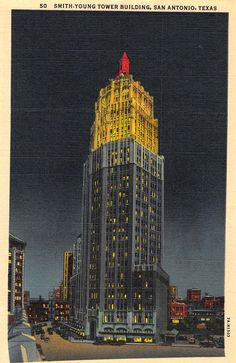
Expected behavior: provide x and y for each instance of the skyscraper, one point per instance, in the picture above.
(67, 273)
(123, 288)
(76, 292)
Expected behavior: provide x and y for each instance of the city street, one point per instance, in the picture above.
(59, 349)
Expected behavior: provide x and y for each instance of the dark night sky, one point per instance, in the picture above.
(60, 60)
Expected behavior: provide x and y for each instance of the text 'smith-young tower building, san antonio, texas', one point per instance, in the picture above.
(122, 287)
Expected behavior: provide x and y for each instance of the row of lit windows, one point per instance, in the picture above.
(136, 296)
(119, 109)
(119, 105)
(114, 220)
(110, 228)
(109, 318)
(93, 277)
(115, 161)
(118, 237)
(122, 316)
(94, 295)
(122, 207)
(120, 253)
(139, 318)
(115, 152)
(92, 265)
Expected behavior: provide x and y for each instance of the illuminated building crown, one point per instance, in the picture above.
(124, 110)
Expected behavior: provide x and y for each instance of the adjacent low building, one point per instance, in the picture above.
(208, 302)
(219, 302)
(38, 310)
(177, 312)
(16, 262)
(193, 295)
(203, 315)
(26, 298)
(59, 310)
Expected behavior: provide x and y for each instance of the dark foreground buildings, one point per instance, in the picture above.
(121, 286)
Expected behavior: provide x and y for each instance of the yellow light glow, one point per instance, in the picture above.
(120, 115)
(148, 340)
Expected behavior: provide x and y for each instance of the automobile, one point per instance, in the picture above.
(64, 336)
(200, 338)
(42, 336)
(73, 338)
(207, 344)
(192, 340)
(101, 342)
(182, 337)
(220, 343)
(116, 342)
(46, 339)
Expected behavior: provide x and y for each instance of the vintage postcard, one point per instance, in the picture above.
(117, 181)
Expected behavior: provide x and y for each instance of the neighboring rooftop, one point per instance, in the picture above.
(13, 239)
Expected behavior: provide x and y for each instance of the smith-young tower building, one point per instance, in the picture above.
(122, 287)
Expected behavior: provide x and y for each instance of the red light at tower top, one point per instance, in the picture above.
(124, 63)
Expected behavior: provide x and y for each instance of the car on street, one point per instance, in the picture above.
(192, 340)
(220, 342)
(50, 331)
(182, 337)
(117, 342)
(207, 344)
